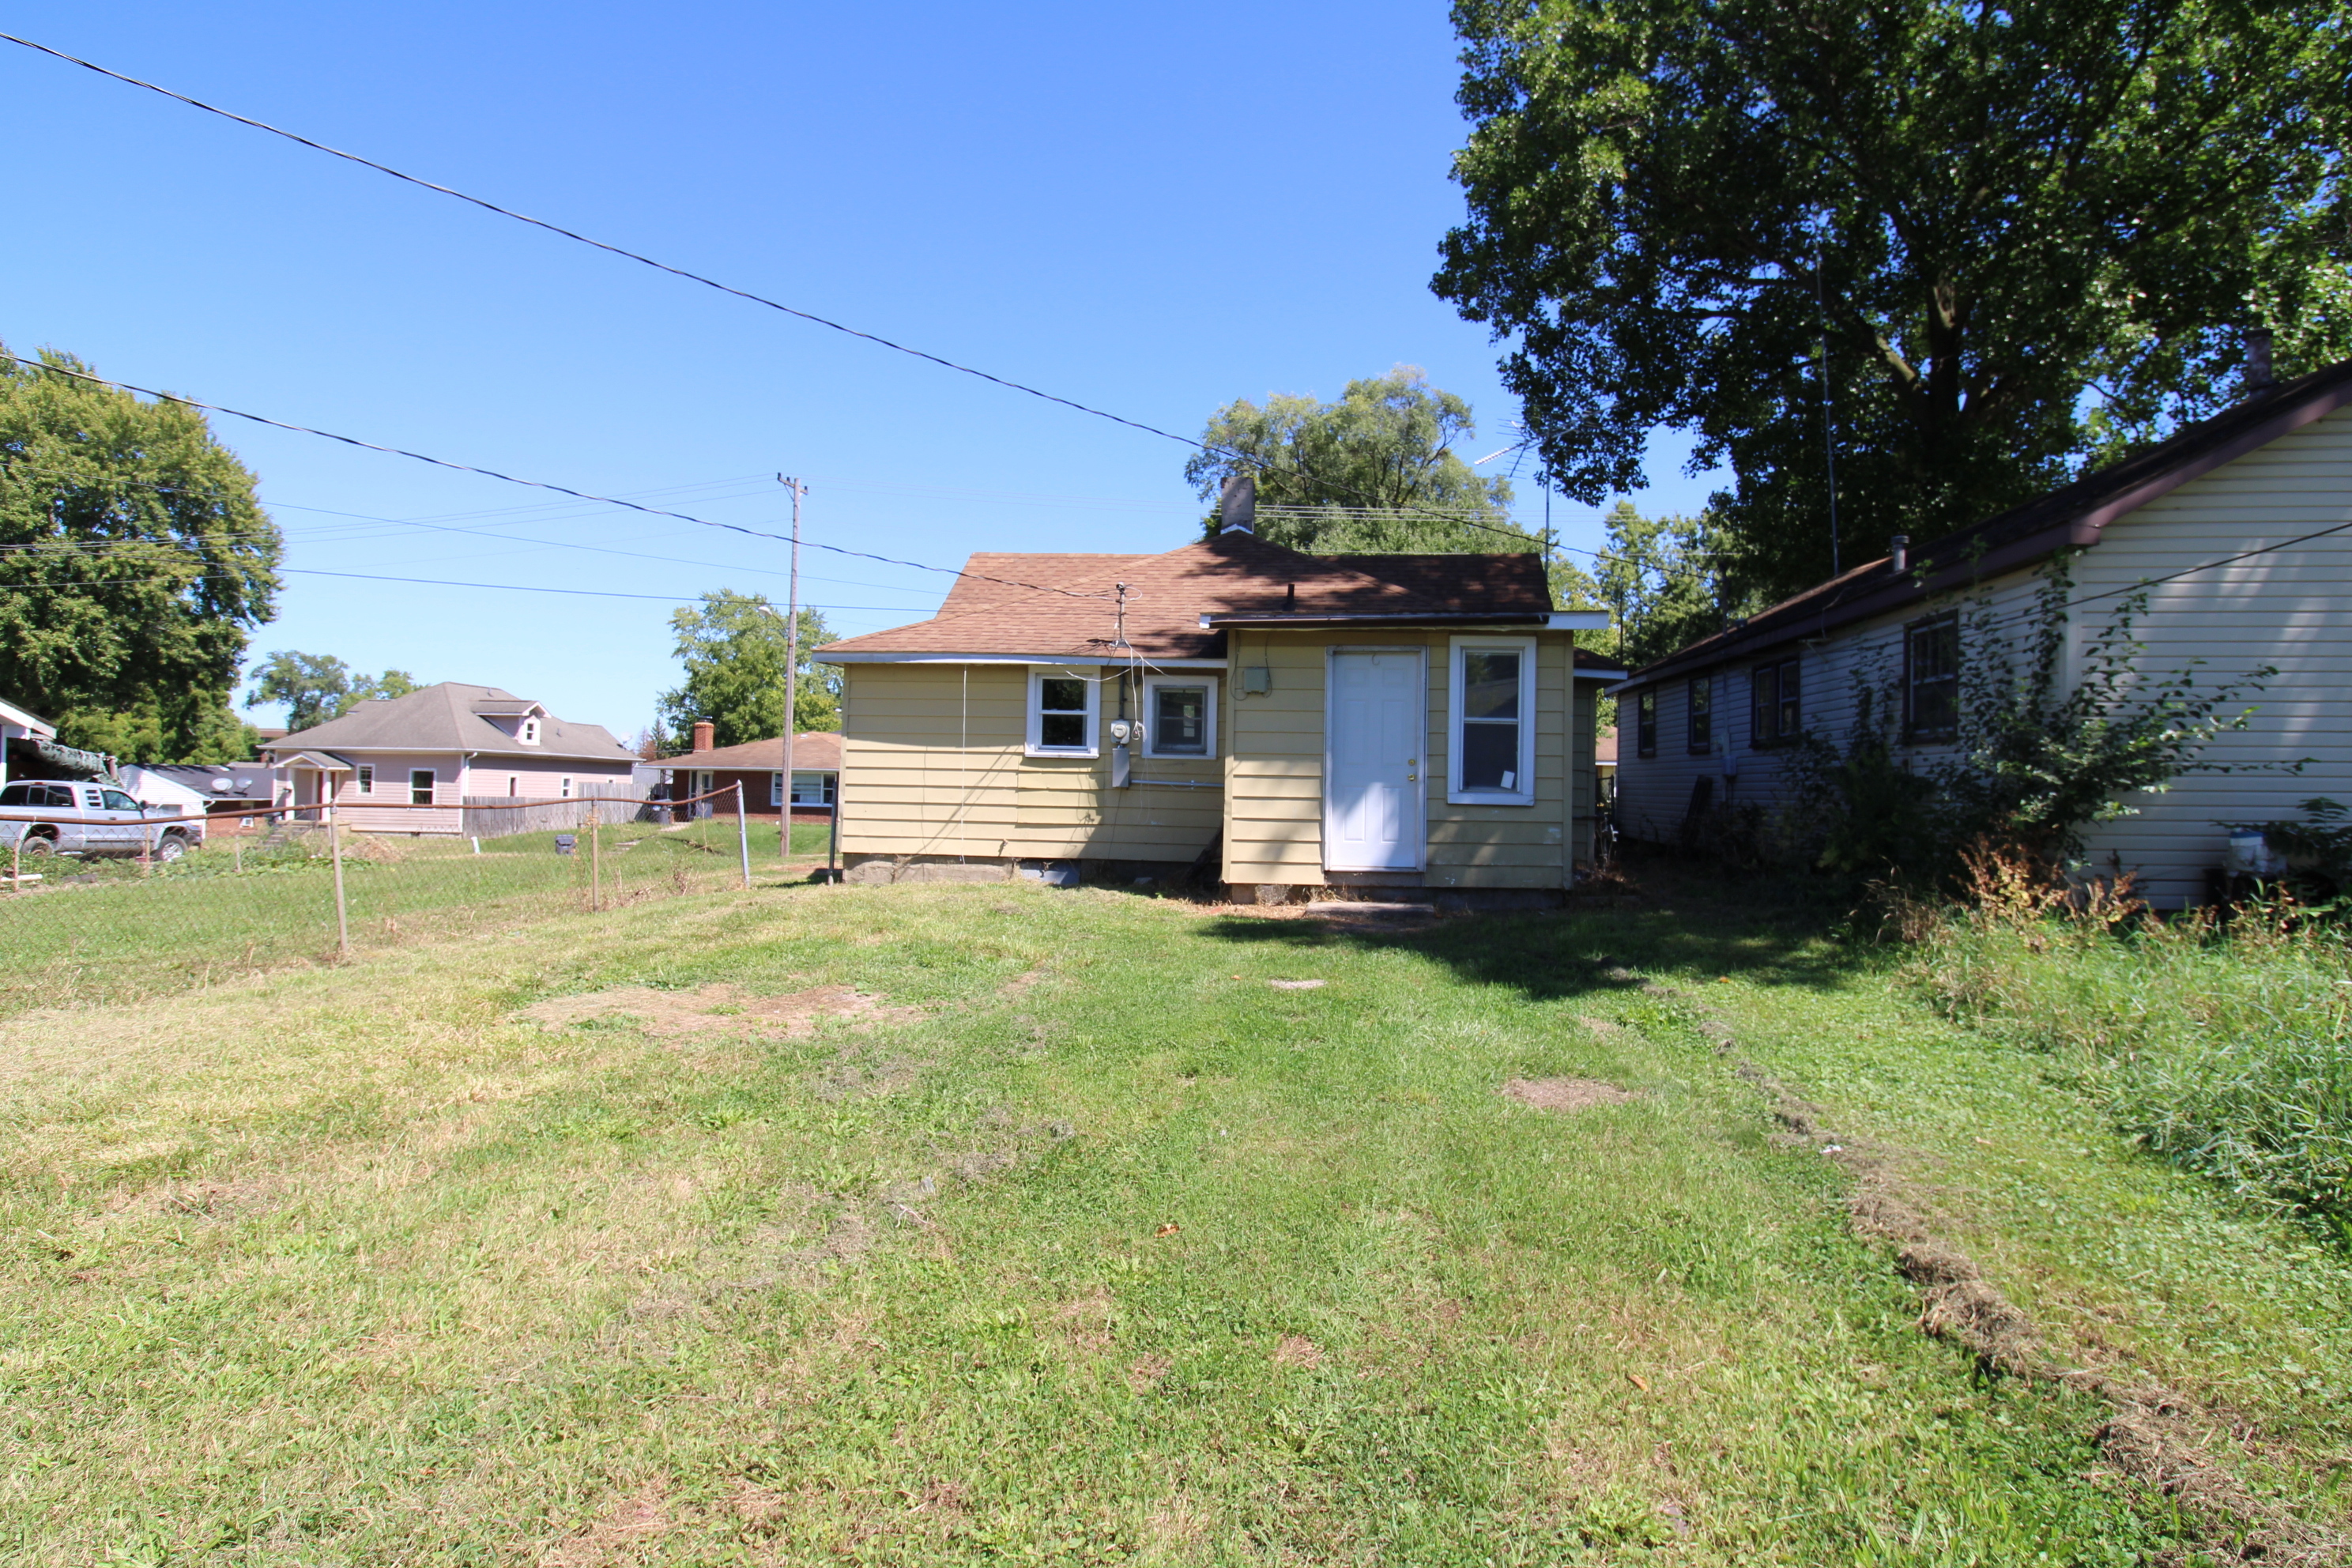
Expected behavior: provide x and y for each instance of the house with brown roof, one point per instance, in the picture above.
(1305, 721)
(447, 746)
(757, 767)
(2238, 530)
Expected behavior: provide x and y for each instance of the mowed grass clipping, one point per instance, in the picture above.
(1040, 1226)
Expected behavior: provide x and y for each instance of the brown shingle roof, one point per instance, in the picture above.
(1167, 594)
(813, 751)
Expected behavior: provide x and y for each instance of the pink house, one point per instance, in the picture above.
(449, 746)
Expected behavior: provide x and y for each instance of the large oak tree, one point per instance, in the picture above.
(2028, 237)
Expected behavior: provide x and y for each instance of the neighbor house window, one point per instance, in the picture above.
(528, 733)
(1701, 714)
(1062, 709)
(567, 789)
(514, 784)
(776, 790)
(1646, 724)
(1775, 713)
(420, 786)
(367, 781)
(1931, 678)
(813, 789)
(1493, 750)
(1179, 718)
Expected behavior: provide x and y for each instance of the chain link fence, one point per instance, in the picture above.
(292, 887)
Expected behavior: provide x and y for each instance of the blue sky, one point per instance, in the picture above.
(1153, 210)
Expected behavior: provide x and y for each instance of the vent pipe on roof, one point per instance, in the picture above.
(2259, 377)
(1898, 554)
(1237, 506)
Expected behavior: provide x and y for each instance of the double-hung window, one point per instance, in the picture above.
(420, 786)
(1062, 708)
(1775, 708)
(1645, 723)
(366, 779)
(1700, 709)
(1179, 717)
(1493, 739)
(1931, 678)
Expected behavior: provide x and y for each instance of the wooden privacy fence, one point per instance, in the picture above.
(502, 816)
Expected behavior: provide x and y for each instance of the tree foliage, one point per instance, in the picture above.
(1664, 580)
(2028, 236)
(317, 687)
(735, 648)
(133, 562)
(1360, 474)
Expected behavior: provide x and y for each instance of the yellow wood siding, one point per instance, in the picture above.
(932, 763)
(1273, 783)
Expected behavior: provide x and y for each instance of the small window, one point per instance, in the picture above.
(1646, 724)
(776, 789)
(420, 787)
(528, 733)
(1775, 711)
(567, 789)
(1931, 678)
(514, 786)
(1179, 718)
(1493, 759)
(1701, 713)
(1062, 713)
(367, 779)
(813, 789)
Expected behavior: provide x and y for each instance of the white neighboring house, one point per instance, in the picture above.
(208, 787)
(2239, 528)
(20, 735)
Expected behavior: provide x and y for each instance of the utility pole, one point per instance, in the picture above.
(791, 671)
(1829, 426)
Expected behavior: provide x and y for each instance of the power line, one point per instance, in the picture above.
(598, 244)
(538, 484)
(1227, 453)
(422, 582)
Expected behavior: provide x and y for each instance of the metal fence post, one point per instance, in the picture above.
(343, 915)
(743, 835)
(595, 859)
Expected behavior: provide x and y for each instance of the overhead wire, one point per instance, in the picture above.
(1229, 454)
(540, 484)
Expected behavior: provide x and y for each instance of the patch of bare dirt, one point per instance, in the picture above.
(1143, 1374)
(1087, 1322)
(1565, 1093)
(1601, 1025)
(1298, 1351)
(717, 1009)
(636, 1522)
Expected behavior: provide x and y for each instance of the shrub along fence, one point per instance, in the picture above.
(310, 889)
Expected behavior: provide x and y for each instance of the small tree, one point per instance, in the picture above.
(734, 649)
(317, 687)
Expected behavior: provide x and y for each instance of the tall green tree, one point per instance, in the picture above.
(2001, 242)
(1362, 473)
(317, 687)
(133, 563)
(734, 649)
(1663, 579)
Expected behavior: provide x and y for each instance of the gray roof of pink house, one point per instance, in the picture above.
(451, 717)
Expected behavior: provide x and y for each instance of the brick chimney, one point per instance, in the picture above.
(703, 732)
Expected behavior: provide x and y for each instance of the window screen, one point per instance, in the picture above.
(1646, 724)
(1932, 678)
(1062, 713)
(1490, 719)
(1179, 720)
(1776, 712)
(1701, 710)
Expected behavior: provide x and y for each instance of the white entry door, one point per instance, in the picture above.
(1375, 727)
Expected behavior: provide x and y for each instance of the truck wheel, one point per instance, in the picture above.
(36, 847)
(173, 847)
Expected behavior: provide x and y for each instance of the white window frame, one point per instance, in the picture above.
(1038, 675)
(528, 731)
(1151, 685)
(432, 778)
(567, 790)
(776, 790)
(1525, 794)
(823, 777)
(366, 779)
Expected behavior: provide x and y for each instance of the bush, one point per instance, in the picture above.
(2225, 1051)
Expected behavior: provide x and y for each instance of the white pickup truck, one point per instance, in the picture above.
(45, 816)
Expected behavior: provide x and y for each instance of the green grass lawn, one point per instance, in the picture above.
(112, 931)
(1077, 1241)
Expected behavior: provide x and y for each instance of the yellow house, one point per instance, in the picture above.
(1289, 722)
